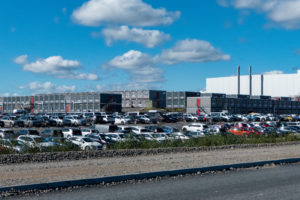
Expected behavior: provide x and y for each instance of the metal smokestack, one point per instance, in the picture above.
(239, 80)
(262, 85)
(250, 80)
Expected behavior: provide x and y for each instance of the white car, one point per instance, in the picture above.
(34, 141)
(195, 127)
(9, 121)
(190, 117)
(59, 122)
(116, 137)
(159, 137)
(87, 131)
(139, 130)
(179, 136)
(86, 143)
(122, 120)
(71, 132)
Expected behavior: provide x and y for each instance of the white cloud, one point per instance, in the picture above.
(273, 72)
(21, 59)
(149, 38)
(192, 50)
(47, 87)
(122, 12)
(131, 60)
(285, 13)
(57, 67)
(141, 69)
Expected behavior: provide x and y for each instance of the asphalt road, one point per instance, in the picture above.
(268, 183)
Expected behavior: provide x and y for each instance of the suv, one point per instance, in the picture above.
(196, 127)
(86, 143)
(71, 132)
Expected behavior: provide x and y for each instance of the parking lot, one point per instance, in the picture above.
(99, 131)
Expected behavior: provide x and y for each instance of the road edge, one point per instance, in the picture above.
(141, 176)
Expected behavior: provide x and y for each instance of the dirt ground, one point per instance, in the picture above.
(31, 173)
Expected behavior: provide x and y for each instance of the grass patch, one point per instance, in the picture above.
(210, 140)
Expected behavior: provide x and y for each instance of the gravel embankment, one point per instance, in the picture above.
(30, 173)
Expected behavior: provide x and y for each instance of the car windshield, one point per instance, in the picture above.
(87, 140)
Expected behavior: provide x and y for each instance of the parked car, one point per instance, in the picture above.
(9, 121)
(34, 141)
(15, 145)
(98, 138)
(123, 120)
(52, 132)
(86, 143)
(195, 127)
(73, 120)
(141, 119)
(195, 134)
(242, 131)
(159, 137)
(28, 132)
(178, 136)
(71, 132)
(7, 133)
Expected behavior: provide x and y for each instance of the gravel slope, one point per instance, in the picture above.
(68, 170)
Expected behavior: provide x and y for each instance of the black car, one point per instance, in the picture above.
(169, 119)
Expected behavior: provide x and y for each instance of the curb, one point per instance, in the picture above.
(114, 179)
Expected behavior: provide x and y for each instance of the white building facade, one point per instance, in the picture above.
(275, 85)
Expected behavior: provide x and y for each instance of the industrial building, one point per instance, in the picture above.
(64, 102)
(178, 100)
(140, 99)
(241, 104)
(275, 85)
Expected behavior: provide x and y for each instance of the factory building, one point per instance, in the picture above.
(275, 85)
(178, 100)
(241, 104)
(140, 99)
(64, 102)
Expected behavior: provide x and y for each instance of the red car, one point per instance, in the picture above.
(243, 131)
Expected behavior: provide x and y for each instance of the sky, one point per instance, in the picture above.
(100, 45)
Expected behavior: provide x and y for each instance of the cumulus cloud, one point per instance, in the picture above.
(21, 59)
(48, 87)
(141, 69)
(57, 67)
(148, 38)
(285, 13)
(122, 12)
(273, 72)
(192, 50)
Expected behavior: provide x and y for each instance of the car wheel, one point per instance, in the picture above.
(122, 123)
(184, 130)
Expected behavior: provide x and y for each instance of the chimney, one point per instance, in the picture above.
(239, 80)
(262, 85)
(250, 80)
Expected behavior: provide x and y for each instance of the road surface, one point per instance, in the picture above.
(281, 182)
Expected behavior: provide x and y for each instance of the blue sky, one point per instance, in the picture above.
(91, 45)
